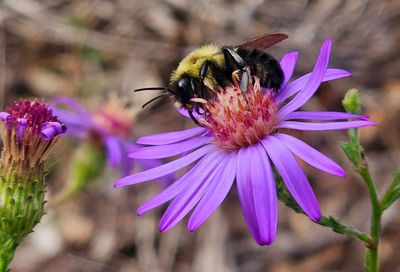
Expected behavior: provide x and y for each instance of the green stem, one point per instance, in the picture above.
(341, 228)
(326, 221)
(354, 152)
(372, 262)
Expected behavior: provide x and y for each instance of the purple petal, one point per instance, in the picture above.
(185, 113)
(324, 126)
(245, 190)
(145, 164)
(22, 124)
(215, 194)
(165, 151)
(78, 124)
(165, 169)
(113, 149)
(148, 164)
(72, 118)
(293, 176)
(126, 163)
(70, 103)
(4, 116)
(310, 155)
(175, 188)
(300, 83)
(288, 63)
(49, 130)
(313, 82)
(188, 198)
(323, 115)
(76, 115)
(78, 132)
(257, 193)
(126, 166)
(170, 137)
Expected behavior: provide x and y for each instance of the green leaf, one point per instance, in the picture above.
(390, 198)
(353, 152)
(393, 193)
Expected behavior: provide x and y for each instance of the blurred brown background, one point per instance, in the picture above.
(87, 49)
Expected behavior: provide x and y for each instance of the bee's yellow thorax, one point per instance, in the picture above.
(192, 63)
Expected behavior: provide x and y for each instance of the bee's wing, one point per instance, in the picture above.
(264, 41)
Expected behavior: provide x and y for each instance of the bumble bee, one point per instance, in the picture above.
(195, 80)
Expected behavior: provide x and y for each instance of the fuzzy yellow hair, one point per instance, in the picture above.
(192, 63)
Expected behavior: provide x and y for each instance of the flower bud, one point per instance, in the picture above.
(351, 101)
(28, 131)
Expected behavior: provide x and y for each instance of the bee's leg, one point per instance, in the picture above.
(190, 111)
(236, 64)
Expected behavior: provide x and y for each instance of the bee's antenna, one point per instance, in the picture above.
(150, 88)
(166, 89)
(154, 99)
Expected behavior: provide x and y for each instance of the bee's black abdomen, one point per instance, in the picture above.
(265, 66)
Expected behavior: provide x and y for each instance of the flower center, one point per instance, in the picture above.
(115, 117)
(238, 119)
(35, 114)
(28, 130)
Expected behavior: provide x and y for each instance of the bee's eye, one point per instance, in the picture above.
(183, 83)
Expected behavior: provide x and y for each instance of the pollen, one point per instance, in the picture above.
(238, 118)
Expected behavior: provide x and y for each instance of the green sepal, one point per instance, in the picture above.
(21, 208)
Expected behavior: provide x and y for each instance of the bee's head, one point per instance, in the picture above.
(185, 89)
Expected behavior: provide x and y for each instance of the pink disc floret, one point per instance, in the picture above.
(238, 118)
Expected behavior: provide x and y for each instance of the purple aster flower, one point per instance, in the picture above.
(110, 127)
(240, 140)
(28, 130)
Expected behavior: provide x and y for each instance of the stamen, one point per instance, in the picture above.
(238, 119)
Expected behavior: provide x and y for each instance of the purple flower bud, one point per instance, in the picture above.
(50, 130)
(21, 127)
(4, 116)
(28, 131)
